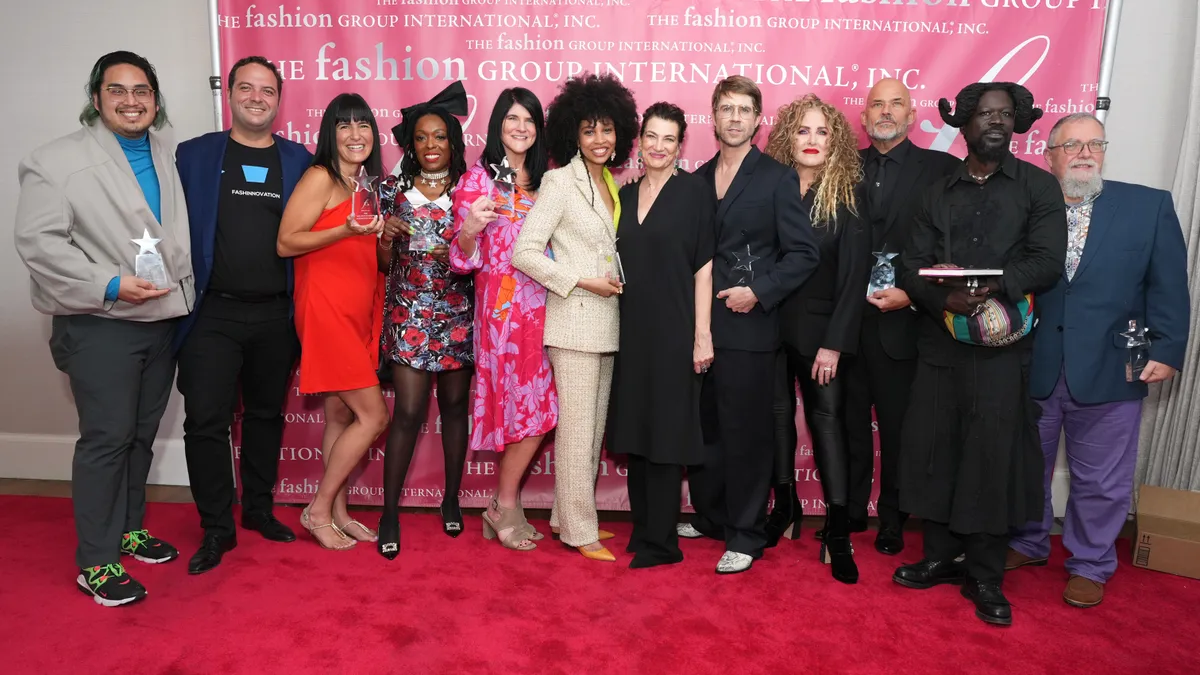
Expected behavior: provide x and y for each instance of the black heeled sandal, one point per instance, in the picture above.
(453, 525)
(388, 543)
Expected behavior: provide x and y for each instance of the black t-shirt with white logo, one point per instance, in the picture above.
(249, 208)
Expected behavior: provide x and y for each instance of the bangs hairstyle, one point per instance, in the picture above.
(410, 165)
(668, 112)
(836, 179)
(536, 160)
(967, 102)
(591, 98)
(95, 86)
(345, 109)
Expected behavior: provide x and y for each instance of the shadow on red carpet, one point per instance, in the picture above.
(466, 605)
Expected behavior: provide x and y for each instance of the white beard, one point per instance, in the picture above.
(1078, 188)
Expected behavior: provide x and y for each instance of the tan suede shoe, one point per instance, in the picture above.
(1082, 592)
(1014, 559)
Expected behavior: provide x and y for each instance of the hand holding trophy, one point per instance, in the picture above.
(364, 205)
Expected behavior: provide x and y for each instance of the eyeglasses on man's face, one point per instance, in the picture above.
(139, 93)
(1075, 147)
(728, 111)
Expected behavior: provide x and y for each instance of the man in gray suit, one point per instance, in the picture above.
(102, 227)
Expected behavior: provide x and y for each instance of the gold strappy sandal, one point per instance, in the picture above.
(306, 521)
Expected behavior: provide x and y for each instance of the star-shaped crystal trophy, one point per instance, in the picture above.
(1138, 346)
(883, 274)
(149, 263)
(505, 175)
(364, 201)
(745, 265)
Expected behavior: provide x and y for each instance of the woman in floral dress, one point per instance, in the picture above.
(428, 308)
(515, 402)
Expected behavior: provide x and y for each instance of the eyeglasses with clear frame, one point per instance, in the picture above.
(728, 111)
(1075, 147)
(139, 93)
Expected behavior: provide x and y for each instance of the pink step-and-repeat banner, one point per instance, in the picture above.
(399, 52)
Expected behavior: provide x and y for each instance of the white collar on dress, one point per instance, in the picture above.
(417, 198)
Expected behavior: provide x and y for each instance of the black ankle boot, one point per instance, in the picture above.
(389, 536)
(784, 519)
(835, 545)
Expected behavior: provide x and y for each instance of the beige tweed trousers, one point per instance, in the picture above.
(584, 381)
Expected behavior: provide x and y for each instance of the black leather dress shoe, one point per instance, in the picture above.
(889, 540)
(930, 573)
(990, 604)
(269, 527)
(211, 550)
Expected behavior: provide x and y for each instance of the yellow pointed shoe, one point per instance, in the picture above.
(603, 555)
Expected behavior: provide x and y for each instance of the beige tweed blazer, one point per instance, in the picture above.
(570, 216)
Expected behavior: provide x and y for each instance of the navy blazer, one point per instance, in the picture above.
(199, 162)
(1134, 266)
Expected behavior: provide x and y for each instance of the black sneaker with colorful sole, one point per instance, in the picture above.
(110, 585)
(146, 548)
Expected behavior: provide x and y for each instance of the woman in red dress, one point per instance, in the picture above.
(338, 296)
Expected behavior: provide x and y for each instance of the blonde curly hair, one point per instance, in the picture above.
(842, 170)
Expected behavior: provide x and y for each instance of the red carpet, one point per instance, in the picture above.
(468, 606)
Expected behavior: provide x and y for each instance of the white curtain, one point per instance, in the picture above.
(1169, 450)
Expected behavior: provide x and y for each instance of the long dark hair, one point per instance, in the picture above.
(410, 166)
(345, 109)
(536, 158)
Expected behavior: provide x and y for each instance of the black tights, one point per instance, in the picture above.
(824, 412)
(410, 412)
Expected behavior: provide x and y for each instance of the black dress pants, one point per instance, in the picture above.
(654, 491)
(729, 491)
(985, 553)
(232, 340)
(874, 378)
(120, 373)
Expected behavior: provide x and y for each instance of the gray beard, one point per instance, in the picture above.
(897, 132)
(1075, 188)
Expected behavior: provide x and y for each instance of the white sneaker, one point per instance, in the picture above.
(686, 531)
(732, 563)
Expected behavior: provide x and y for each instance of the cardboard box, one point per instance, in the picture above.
(1168, 531)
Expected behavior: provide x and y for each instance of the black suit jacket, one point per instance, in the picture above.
(920, 169)
(826, 311)
(764, 241)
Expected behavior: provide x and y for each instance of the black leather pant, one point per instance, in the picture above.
(824, 414)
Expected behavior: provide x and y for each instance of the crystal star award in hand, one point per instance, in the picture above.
(364, 202)
(149, 263)
(883, 274)
(1138, 346)
(505, 182)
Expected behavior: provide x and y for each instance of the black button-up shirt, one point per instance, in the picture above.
(1015, 221)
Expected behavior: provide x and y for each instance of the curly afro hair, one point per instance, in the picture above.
(591, 98)
(968, 100)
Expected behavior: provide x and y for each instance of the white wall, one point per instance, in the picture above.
(37, 417)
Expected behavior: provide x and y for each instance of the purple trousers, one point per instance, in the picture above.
(1102, 443)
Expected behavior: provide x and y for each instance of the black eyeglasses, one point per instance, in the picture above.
(1075, 147)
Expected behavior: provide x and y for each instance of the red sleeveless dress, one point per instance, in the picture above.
(339, 310)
